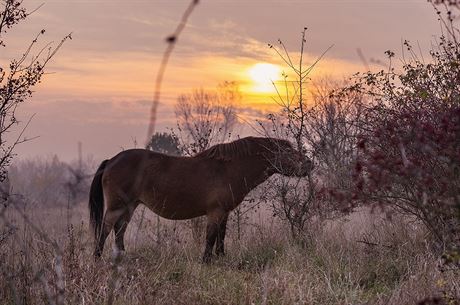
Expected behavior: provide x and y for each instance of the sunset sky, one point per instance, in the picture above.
(101, 83)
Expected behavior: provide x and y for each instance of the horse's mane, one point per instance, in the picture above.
(244, 147)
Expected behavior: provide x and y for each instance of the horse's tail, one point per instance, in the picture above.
(96, 201)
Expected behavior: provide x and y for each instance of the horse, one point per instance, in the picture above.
(211, 183)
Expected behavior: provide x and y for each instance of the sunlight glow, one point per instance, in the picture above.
(263, 75)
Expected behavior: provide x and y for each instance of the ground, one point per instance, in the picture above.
(364, 258)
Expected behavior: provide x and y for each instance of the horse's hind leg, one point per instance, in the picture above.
(110, 218)
(120, 229)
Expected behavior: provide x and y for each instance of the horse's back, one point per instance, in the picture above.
(173, 187)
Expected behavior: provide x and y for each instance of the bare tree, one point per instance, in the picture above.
(205, 118)
(292, 199)
(324, 126)
(18, 78)
(333, 129)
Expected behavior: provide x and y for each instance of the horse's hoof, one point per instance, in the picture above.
(207, 259)
(116, 253)
(97, 255)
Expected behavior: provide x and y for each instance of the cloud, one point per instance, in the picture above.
(103, 80)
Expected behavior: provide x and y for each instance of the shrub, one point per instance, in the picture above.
(410, 141)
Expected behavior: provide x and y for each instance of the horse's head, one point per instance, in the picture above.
(288, 161)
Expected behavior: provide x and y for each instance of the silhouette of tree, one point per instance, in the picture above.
(206, 117)
(164, 143)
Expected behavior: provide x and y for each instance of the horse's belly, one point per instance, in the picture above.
(175, 210)
(188, 200)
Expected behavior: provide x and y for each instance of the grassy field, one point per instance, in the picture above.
(362, 259)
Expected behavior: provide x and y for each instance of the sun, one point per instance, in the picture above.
(263, 75)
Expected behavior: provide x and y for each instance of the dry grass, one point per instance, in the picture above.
(362, 260)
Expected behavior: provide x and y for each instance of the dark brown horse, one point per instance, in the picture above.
(212, 183)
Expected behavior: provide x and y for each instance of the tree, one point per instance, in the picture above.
(322, 127)
(164, 143)
(205, 118)
(332, 127)
(18, 79)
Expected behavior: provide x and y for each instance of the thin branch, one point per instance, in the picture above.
(171, 40)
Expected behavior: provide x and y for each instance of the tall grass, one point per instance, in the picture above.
(364, 259)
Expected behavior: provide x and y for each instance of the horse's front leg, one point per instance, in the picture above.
(215, 220)
(221, 237)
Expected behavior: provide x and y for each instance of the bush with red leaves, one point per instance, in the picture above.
(410, 145)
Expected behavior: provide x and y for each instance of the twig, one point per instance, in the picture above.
(171, 40)
(369, 243)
